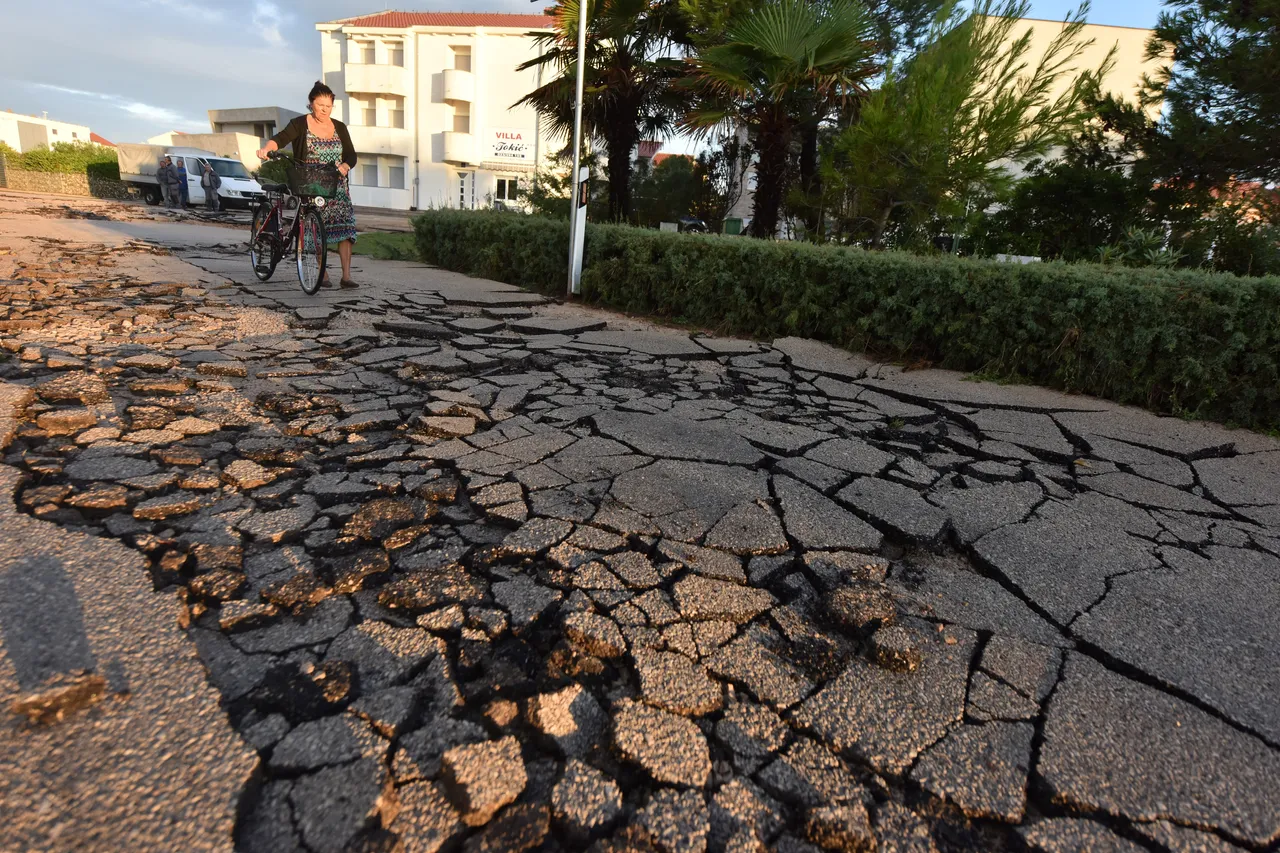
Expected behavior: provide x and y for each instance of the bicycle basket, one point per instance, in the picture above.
(313, 179)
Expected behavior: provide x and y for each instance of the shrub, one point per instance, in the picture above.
(73, 158)
(1180, 341)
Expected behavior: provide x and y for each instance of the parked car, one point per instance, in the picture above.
(138, 165)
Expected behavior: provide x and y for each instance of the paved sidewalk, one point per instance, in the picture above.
(465, 564)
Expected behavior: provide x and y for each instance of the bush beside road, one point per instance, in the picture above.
(1183, 342)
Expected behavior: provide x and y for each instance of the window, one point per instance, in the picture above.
(260, 131)
(462, 119)
(369, 175)
(363, 53)
(54, 131)
(394, 106)
(230, 169)
(508, 189)
(364, 112)
(75, 135)
(397, 177)
(462, 57)
(395, 55)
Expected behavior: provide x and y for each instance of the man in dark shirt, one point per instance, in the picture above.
(184, 193)
(210, 181)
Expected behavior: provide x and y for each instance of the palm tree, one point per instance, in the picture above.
(628, 91)
(782, 65)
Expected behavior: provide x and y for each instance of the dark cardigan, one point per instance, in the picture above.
(295, 132)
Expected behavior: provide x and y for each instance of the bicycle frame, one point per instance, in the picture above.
(285, 223)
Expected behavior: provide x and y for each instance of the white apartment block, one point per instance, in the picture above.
(22, 133)
(429, 99)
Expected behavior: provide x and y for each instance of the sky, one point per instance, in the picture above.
(131, 69)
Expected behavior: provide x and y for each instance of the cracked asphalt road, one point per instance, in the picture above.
(469, 568)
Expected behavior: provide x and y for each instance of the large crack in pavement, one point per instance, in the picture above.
(469, 568)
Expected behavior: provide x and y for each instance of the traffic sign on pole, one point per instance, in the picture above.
(578, 210)
(578, 238)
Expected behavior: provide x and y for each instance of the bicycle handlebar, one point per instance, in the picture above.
(281, 155)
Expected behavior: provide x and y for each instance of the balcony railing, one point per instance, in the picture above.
(459, 85)
(380, 79)
(381, 140)
(459, 147)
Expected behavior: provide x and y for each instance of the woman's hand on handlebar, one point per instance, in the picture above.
(265, 151)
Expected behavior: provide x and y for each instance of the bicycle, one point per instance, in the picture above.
(273, 233)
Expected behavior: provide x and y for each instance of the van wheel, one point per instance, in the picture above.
(151, 196)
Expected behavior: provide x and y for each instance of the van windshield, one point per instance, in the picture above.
(229, 169)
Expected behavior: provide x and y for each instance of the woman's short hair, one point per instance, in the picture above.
(318, 90)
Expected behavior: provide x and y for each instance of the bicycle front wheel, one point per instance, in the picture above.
(311, 251)
(263, 254)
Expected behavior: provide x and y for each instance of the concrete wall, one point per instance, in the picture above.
(250, 120)
(61, 183)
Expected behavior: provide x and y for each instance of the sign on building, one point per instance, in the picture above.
(511, 145)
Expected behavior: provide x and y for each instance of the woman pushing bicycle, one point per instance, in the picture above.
(318, 138)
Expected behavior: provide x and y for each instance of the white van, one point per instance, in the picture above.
(238, 189)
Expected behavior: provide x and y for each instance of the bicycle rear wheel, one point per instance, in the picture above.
(263, 251)
(311, 251)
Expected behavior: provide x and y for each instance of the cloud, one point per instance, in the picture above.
(268, 18)
(189, 10)
(150, 112)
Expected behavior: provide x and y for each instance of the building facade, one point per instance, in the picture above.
(1129, 61)
(261, 123)
(429, 99)
(23, 133)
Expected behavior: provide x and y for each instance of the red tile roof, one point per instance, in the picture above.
(93, 137)
(401, 20)
(663, 155)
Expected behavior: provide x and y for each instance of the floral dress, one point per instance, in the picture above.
(338, 214)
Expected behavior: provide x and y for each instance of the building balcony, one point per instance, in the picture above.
(459, 85)
(382, 140)
(377, 79)
(459, 147)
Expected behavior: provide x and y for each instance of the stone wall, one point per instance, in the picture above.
(60, 182)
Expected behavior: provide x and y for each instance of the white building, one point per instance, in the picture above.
(23, 133)
(429, 99)
(262, 123)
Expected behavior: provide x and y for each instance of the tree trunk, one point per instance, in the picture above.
(773, 143)
(621, 142)
(881, 223)
(810, 180)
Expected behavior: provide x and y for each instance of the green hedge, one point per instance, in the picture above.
(1186, 342)
(69, 158)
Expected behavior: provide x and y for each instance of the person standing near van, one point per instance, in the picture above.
(184, 194)
(162, 178)
(169, 174)
(210, 181)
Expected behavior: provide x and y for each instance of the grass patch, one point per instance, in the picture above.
(386, 246)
